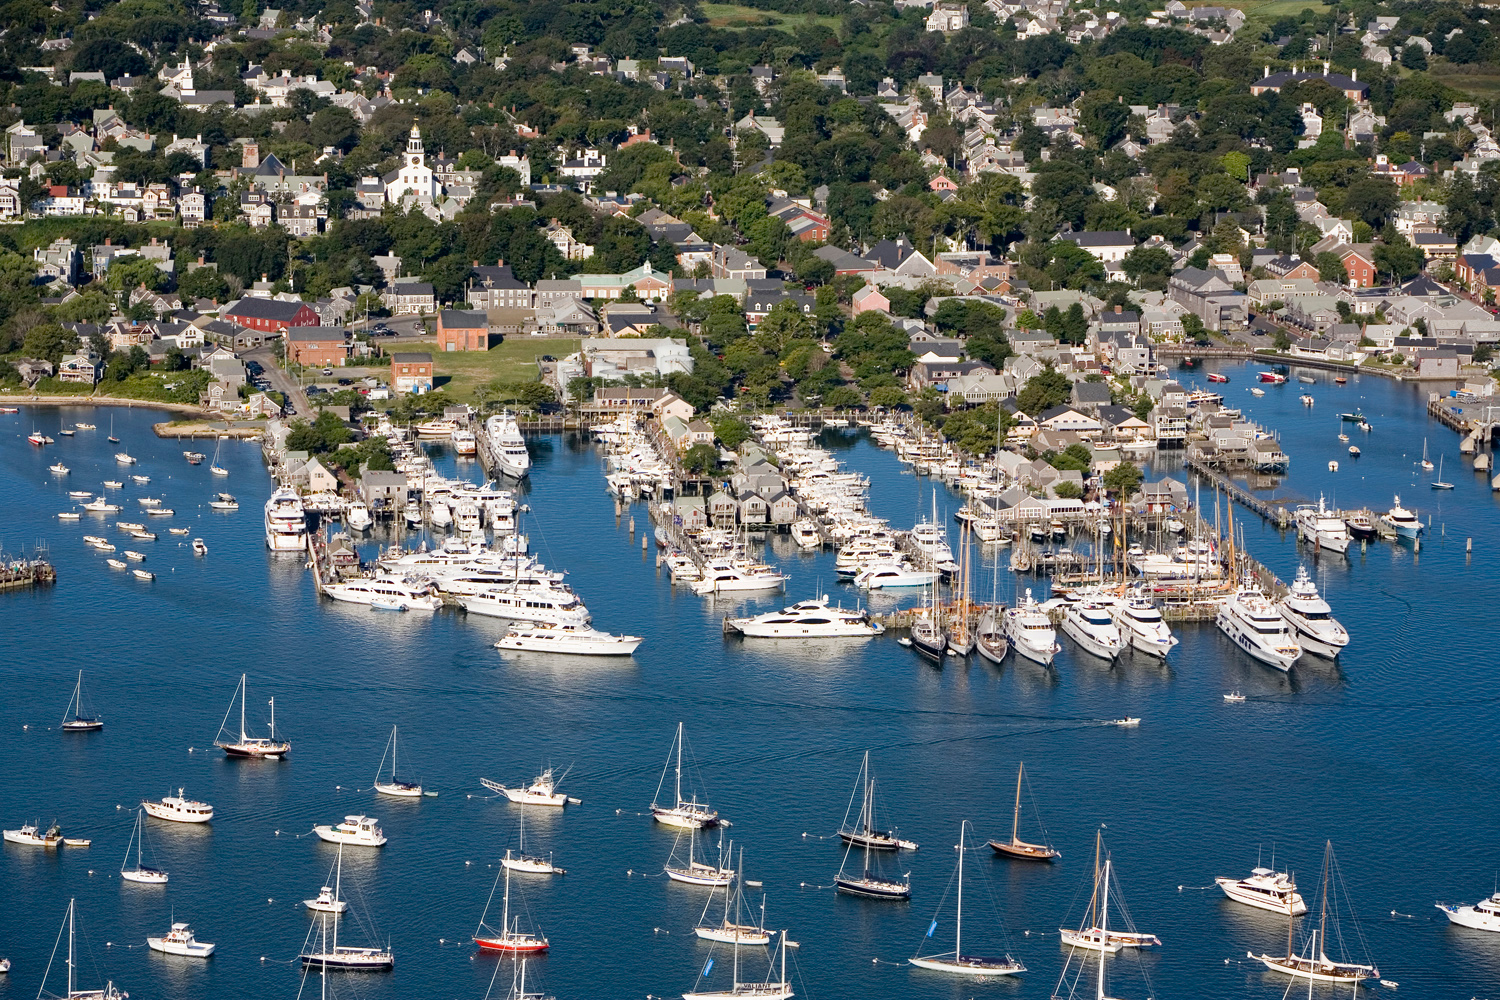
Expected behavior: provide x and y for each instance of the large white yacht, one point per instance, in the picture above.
(1142, 626)
(386, 592)
(1322, 527)
(894, 575)
(1257, 627)
(358, 831)
(1265, 889)
(579, 640)
(507, 446)
(1402, 521)
(1311, 619)
(528, 604)
(1482, 916)
(724, 576)
(179, 809)
(1090, 624)
(932, 541)
(808, 619)
(286, 521)
(1030, 631)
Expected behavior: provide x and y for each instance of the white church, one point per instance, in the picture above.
(414, 177)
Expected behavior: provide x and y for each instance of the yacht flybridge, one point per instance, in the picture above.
(267, 748)
(683, 813)
(1311, 619)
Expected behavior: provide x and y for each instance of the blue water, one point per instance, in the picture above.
(1389, 753)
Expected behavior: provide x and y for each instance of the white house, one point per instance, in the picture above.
(415, 176)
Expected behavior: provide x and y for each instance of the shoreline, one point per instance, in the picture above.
(93, 400)
(1180, 351)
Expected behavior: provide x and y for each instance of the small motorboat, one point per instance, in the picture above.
(144, 574)
(141, 480)
(148, 501)
(1354, 451)
(80, 494)
(388, 604)
(1233, 697)
(1257, 392)
(77, 842)
(113, 484)
(65, 432)
(58, 470)
(1216, 377)
(130, 526)
(144, 536)
(115, 563)
(124, 458)
(1352, 418)
(69, 515)
(84, 427)
(135, 556)
(1129, 722)
(224, 501)
(1340, 380)
(199, 549)
(1306, 399)
(160, 511)
(179, 531)
(1333, 466)
(1306, 379)
(194, 457)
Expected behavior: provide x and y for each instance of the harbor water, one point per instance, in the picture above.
(1388, 753)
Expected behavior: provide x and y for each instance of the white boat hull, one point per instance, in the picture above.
(965, 965)
(192, 949)
(607, 645)
(145, 876)
(333, 836)
(683, 819)
(729, 935)
(1470, 917)
(1317, 972)
(1101, 647)
(172, 814)
(532, 866)
(707, 876)
(1260, 901)
(398, 790)
(1272, 657)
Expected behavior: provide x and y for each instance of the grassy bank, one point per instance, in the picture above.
(459, 373)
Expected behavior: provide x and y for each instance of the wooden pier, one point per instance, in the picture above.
(1276, 513)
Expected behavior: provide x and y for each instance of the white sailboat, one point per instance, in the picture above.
(256, 747)
(325, 954)
(956, 961)
(395, 788)
(863, 832)
(531, 864)
(767, 989)
(1094, 934)
(510, 938)
(696, 872)
(1099, 988)
(214, 466)
(74, 718)
(729, 930)
(869, 882)
(689, 814)
(140, 873)
(107, 993)
(1314, 964)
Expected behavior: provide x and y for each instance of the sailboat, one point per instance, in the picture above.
(79, 723)
(112, 439)
(684, 814)
(865, 883)
(524, 862)
(510, 938)
(956, 961)
(927, 628)
(251, 746)
(1315, 965)
(695, 872)
(1016, 847)
(398, 789)
(863, 833)
(729, 930)
(108, 993)
(1093, 934)
(1099, 990)
(989, 635)
(960, 636)
(1426, 462)
(140, 873)
(768, 989)
(1439, 483)
(324, 955)
(214, 466)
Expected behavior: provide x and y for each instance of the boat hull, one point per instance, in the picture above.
(1090, 643)
(967, 965)
(993, 647)
(732, 933)
(159, 811)
(708, 877)
(1035, 653)
(277, 752)
(195, 949)
(333, 836)
(145, 876)
(1260, 901)
(399, 790)
(1468, 916)
(1022, 851)
(523, 944)
(684, 819)
(354, 959)
(871, 889)
(1318, 972)
(876, 841)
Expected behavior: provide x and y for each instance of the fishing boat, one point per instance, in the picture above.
(325, 954)
(869, 882)
(956, 961)
(1016, 847)
(862, 832)
(1094, 933)
(696, 872)
(135, 556)
(541, 792)
(84, 427)
(359, 831)
(529, 863)
(124, 458)
(1352, 418)
(140, 873)
(143, 574)
(75, 720)
(31, 835)
(394, 787)
(58, 469)
(199, 549)
(1234, 697)
(1313, 963)
(179, 809)
(224, 501)
(329, 899)
(180, 941)
(683, 813)
(510, 938)
(729, 930)
(141, 480)
(268, 748)
(69, 993)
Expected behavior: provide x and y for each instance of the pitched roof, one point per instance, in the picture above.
(273, 309)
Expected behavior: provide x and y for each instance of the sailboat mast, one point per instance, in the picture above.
(1103, 928)
(1015, 823)
(273, 718)
(505, 911)
(958, 924)
(242, 708)
(71, 904)
(868, 809)
(1323, 905)
(1094, 899)
(870, 805)
(679, 763)
(338, 880)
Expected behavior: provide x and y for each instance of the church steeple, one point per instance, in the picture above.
(414, 154)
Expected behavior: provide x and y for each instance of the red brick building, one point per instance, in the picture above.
(271, 314)
(411, 371)
(463, 330)
(1359, 264)
(317, 345)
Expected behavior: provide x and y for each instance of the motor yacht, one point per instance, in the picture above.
(1312, 621)
(1142, 627)
(391, 592)
(224, 501)
(805, 620)
(436, 429)
(124, 459)
(180, 941)
(528, 604)
(286, 521)
(1482, 916)
(932, 541)
(894, 575)
(576, 640)
(1257, 627)
(723, 576)
(357, 831)
(327, 902)
(102, 506)
(1400, 520)
(1322, 527)
(1090, 624)
(464, 441)
(1265, 889)
(178, 809)
(508, 446)
(541, 792)
(358, 517)
(1030, 631)
(1361, 528)
(805, 534)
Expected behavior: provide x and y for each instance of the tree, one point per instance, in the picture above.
(731, 431)
(1413, 57)
(1148, 267)
(701, 458)
(1043, 391)
(846, 397)
(889, 397)
(49, 342)
(1068, 490)
(1330, 267)
(124, 275)
(1123, 480)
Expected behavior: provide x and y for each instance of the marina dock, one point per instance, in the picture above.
(23, 574)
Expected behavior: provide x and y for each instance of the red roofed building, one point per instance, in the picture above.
(271, 314)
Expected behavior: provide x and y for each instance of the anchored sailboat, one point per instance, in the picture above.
(79, 721)
(695, 872)
(108, 993)
(729, 930)
(326, 954)
(956, 961)
(687, 814)
(530, 864)
(866, 883)
(767, 989)
(1314, 964)
(510, 938)
(248, 746)
(1093, 934)
(140, 873)
(1016, 847)
(863, 833)
(1099, 991)
(398, 789)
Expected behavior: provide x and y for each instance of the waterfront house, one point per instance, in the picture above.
(383, 488)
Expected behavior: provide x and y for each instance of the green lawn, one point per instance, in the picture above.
(1480, 80)
(459, 373)
(728, 15)
(1260, 13)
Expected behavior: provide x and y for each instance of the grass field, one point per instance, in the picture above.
(1260, 13)
(459, 373)
(1482, 81)
(728, 15)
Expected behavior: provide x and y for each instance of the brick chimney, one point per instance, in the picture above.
(500, 262)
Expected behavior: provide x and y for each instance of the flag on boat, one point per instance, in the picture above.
(931, 928)
(708, 967)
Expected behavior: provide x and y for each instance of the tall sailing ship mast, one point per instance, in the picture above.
(1016, 847)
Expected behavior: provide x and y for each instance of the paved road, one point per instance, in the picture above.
(279, 379)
